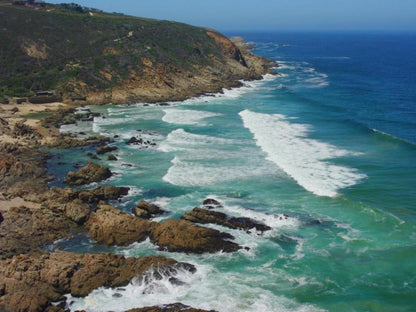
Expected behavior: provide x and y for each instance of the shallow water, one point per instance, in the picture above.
(330, 142)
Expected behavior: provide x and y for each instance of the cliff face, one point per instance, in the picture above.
(114, 58)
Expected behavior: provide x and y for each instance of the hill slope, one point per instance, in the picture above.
(115, 58)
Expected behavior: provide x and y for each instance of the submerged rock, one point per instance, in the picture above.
(146, 210)
(32, 281)
(184, 236)
(204, 216)
(91, 172)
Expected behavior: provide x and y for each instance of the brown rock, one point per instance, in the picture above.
(113, 227)
(77, 211)
(103, 193)
(91, 172)
(105, 149)
(146, 210)
(32, 281)
(204, 216)
(24, 229)
(184, 236)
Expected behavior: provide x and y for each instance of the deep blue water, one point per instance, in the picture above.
(331, 138)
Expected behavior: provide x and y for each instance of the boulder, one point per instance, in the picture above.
(103, 193)
(77, 211)
(146, 210)
(204, 216)
(32, 281)
(91, 172)
(106, 149)
(111, 226)
(211, 203)
(111, 157)
(184, 236)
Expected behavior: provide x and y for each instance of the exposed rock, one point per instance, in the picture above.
(174, 307)
(204, 216)
(113, 227)
(103, 193)
(69, 141)
(140, 141)
(211, 203)
(77, 211)
(111, 157)
(31, 282)
(92, 172)
(20, 129)
(106, 149)
(25, 228)
(146, 210)
(4, 126)
(22, 167)
(184, 236)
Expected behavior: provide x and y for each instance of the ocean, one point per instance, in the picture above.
(324, 153)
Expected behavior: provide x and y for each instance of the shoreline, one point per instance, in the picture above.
(29, 195)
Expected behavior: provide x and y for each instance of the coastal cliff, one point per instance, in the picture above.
(102, 58)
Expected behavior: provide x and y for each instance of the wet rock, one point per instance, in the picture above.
(174, 307)
(32, 281)
(111, 157)
(184, 236)
(111, 226)
(146, 210)
(211, 203)
(134, 140)
(92, 155)
(106, 149)
(204, 216)
(92, 172)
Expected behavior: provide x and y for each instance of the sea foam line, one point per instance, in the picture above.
(304, 159)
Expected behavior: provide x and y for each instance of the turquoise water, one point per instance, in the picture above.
(330, 142)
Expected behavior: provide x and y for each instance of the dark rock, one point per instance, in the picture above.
(211, 203)
(90, 173)
(111, 157)
(146, 210)
(204, 216)
(174, 307)
(105, 149)
(184, 236)
(133, 140)
(92, 155)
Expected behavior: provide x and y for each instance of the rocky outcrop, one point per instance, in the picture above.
(32, 281)
(111, 226)
(22, 170)
(184, 236)
(24, 229)
(91, 172)
(211, 203)
(106, 149)
(146, 210)
(174, 307)
(69, 141)
(204, 216)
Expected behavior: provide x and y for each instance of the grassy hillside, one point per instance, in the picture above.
(81, 53)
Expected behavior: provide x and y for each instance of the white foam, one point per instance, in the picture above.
(194, 158)
(206, 289)
(186, 116)
(304, 159)
(179, 139)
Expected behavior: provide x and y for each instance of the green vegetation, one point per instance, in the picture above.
(74, 51)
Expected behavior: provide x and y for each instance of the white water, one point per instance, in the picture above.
(185, 116)
(304, 159)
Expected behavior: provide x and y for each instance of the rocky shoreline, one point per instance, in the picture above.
(32, 215)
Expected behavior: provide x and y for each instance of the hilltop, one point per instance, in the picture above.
(80, 53)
